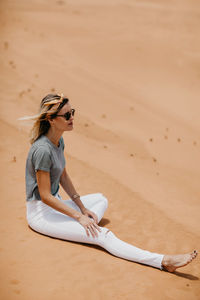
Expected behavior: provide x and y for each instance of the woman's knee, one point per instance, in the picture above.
(93, 199)
(104, 200)
(104, 235)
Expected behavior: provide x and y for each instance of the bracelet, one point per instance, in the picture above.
(75, 196)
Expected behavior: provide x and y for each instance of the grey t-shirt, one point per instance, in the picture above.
(46, 156)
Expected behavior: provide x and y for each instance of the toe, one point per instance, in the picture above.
(193, 255)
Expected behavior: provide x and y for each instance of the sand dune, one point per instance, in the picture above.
(131, 70)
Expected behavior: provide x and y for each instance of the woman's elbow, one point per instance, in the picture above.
(45, 197)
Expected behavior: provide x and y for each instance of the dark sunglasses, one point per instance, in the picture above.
(67, 115)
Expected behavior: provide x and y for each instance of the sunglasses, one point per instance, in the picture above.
(67, 115)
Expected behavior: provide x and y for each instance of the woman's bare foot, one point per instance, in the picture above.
(172, 262)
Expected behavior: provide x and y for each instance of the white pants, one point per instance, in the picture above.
(46, 220)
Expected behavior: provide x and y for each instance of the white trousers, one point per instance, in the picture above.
(46, 220)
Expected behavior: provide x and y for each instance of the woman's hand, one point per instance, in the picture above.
(89, 224)
(89, 213)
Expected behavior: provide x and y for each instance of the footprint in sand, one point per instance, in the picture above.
(86, 125)
(131, 154)
(166, 137)
(105, 146)
(21, 93)
(103, 116)
(28, 90)
(150, 140)
(178, 140)
(167, 129)
(12, 64)
(157, 174)
(14, 159)
(36, 75)
(14, 281)
(154, 159)
(131, 108)
(76, 12)
(60, 2)
(53, 90)
(6, 45)
(194, 143)
(17, 292)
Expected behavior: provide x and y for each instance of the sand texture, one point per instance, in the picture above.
(131, 70)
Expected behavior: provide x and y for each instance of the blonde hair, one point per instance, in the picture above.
(49, 107)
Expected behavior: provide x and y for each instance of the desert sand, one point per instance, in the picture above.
(131, 70)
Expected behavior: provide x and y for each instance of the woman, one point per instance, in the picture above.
(76, 219)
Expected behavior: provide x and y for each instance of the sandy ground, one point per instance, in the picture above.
(131, 69)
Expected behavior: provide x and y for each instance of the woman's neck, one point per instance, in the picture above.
(53, 136)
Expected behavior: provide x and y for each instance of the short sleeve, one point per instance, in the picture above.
(42, 159)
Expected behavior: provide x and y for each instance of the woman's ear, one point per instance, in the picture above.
(51, 121)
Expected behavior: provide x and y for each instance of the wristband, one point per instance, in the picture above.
(75, 196)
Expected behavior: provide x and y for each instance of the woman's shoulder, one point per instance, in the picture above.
(44, 144)
(41, 143)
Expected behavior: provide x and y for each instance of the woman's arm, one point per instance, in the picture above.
(44, 186)
(68, 187)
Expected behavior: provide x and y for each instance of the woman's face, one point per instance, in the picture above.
(59, 122)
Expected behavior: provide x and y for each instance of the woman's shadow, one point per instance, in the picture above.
(185, 275)
(104, 222)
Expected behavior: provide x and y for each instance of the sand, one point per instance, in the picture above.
(131, 70)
